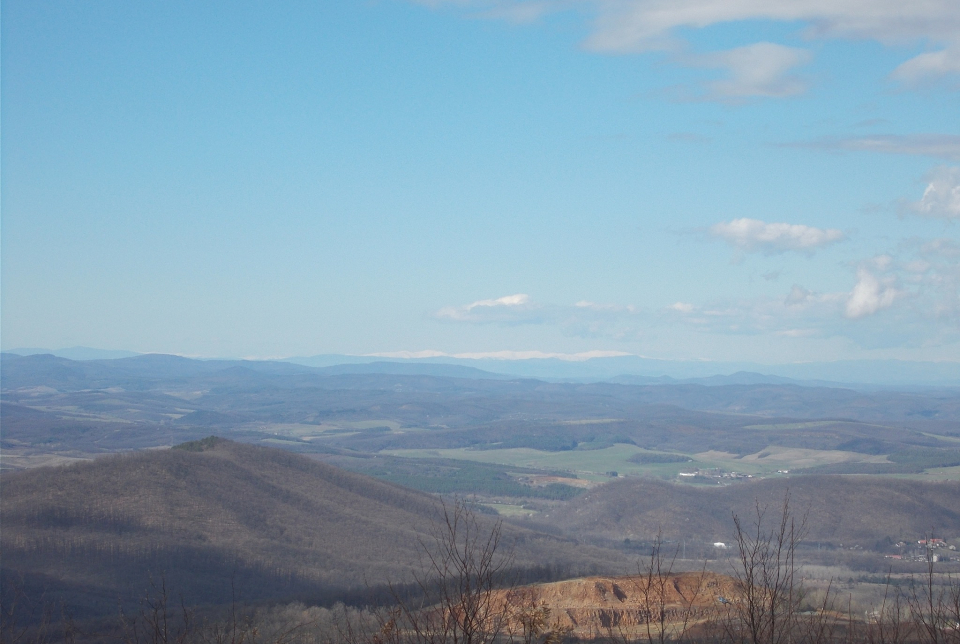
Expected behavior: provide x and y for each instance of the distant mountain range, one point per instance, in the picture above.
(620, 369)
(631, 369)
(55, 407)
(75, 353)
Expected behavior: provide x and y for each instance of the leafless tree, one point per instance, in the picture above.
(528, 619)
(655, 578)
(888, 623)
(159, 621)
(461, 565)
(933, 606)
(953, 602)
(15, 602)
(770, 592)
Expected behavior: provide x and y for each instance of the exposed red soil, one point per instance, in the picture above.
(592, 607)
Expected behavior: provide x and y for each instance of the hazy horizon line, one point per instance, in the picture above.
(425, 354)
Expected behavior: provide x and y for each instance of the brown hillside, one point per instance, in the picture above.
(272, 523)
(839, 509)
(595, 607)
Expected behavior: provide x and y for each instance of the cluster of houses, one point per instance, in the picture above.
(715, 473)
(926, 550)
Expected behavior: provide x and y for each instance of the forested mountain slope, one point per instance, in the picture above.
(838, 509)
(269, 523)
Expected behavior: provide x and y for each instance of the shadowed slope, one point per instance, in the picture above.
(277, 524)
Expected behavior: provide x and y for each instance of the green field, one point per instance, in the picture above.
(801, 425)
(590, 464)
(510, 510)
(597, 464)
(934, 474)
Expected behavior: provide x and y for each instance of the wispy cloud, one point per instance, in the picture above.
(800, 313)
(520, 12)
(941, 198)
(627, 26)
(635, 25)
(689, 137)
(760, 70)
(583, 319)
(912, 297)
(908, 297)
(930, 66)
(752, 235)
(938, 146)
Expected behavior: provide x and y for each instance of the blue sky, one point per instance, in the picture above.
(771, 181)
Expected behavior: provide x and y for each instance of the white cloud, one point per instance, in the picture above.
(929, 66)
(755, 235)
(907, 298)
(625, 26)
(869, 295)
(758, 70)
(632, 25)
(910, 297)
(516, 308)
(507, 300)
(941, 198)
(925, 287)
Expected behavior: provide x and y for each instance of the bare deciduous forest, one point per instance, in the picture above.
(466, 591)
